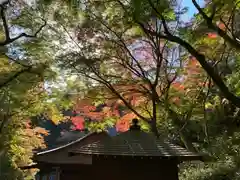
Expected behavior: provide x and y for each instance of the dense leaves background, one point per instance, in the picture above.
(93, 65)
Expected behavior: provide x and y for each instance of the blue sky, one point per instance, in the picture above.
(191, 9)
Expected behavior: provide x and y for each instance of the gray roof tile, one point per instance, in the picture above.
(136, 143)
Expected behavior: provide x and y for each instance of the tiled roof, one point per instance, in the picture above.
(136, 143)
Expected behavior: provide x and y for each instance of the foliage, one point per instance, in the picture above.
(118, 60)
(24, 70)
(185, 101)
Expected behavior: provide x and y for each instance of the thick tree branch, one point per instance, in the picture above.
(16, 75)
(28, 69)
(8, 39)
(3, 122)
(126, 48)
(4, 20)
(18, 62)
(234, 42)
(159, 61)
(202, 60)
(99, 78)
(110, 87)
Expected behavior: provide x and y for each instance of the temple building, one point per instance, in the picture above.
(133, 154)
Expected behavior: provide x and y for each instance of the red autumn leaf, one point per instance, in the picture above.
(222, 26)
(212, 35)
(78, 122)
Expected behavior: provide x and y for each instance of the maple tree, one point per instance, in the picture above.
(143, 60)
(110, 111)
(130, 61)
(85, 108)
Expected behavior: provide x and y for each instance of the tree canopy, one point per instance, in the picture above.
(112, 61)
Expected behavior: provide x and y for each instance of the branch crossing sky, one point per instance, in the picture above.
(191, 8)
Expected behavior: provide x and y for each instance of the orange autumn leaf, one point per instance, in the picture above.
(193, 62)
(88, 108)
(29, 132)
(123, 123)
(178, 86)
(95, 115)
(39, 130)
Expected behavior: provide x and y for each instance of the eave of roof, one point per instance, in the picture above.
(64, 146)
(30, 166)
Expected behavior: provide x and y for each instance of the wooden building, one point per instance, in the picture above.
(130, 155)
